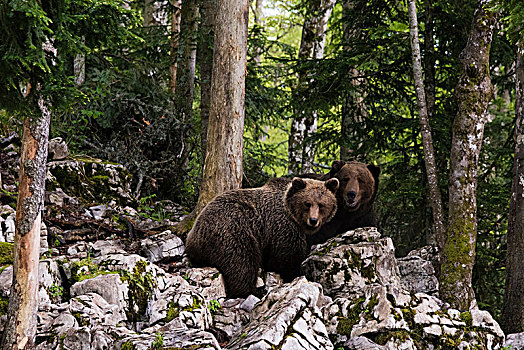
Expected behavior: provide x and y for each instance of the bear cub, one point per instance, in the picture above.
(355, 198)
(242, 230)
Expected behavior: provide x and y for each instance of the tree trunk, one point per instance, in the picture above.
(223, 163)
(205, 58)
(187, 50)
(354, 110)
(258, 22)
(20, 328)
(174, 43)
(437, 235)
(79, 67)
(304, 123)
(513, 307)
(429, 59)
(473, 93)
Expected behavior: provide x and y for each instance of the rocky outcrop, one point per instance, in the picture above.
(113, 276)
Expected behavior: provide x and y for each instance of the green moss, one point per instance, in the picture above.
(401, 335)
(345, 324)
(82, 321)
(127, 346)
(85, 269)
(172, 312)
(326, 249)
(373, 301)
(6, 253)
(141, 285)
(467, 318)
(4, 303)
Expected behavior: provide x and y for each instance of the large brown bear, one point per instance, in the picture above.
(355, 198)
(242, 230)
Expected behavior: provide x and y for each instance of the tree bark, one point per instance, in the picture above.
(258, 22)
(513, 307)
(20, 328)
(187, 58)
(473, 93)
(174, 44)
(205, 58)
(437, 235)
(304, 122)
(354, 110)
(223, 163)
(429, 58)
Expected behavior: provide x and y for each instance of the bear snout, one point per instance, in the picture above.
(351, 196)
(313, 222)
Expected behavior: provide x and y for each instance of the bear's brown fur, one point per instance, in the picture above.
(242, 230)
(355, 198)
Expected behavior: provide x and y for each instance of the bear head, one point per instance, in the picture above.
(311, 203)
(358, 184)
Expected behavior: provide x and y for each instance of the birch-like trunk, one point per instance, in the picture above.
(20, 328)
(205, 61)
(473, 93)
(223, 163)
(437, 234)
(79, 67)
(258, 22)
(513, 307)
(187, 50)
(304, 122)
(174, 44)
(354, 110)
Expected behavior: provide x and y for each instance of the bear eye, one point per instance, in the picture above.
(307, 204)
(360, 181)
(320, 206)
(346, 179)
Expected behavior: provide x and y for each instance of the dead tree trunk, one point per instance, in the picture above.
(437, 236)
(20, 328)
(513, 308)
(473, 93)
(304, 122)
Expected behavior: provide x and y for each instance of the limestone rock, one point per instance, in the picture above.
(175, 339)
(516, 341)
(163, 247)
(208, 280)
(110, 287)
(57, 149)
(289, 316)
(417, 273)
(345, 264)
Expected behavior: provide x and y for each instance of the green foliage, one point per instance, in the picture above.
(214, 306)
(6, 253)
(4, 303)
(158, 343)
(141, 284)
(56, 291)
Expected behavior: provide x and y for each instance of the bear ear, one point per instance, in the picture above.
(332, 184)
(375, 171)
(298, 184)
(335, 167)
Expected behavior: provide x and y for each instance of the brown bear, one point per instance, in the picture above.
(355, 198)
(242, 230)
